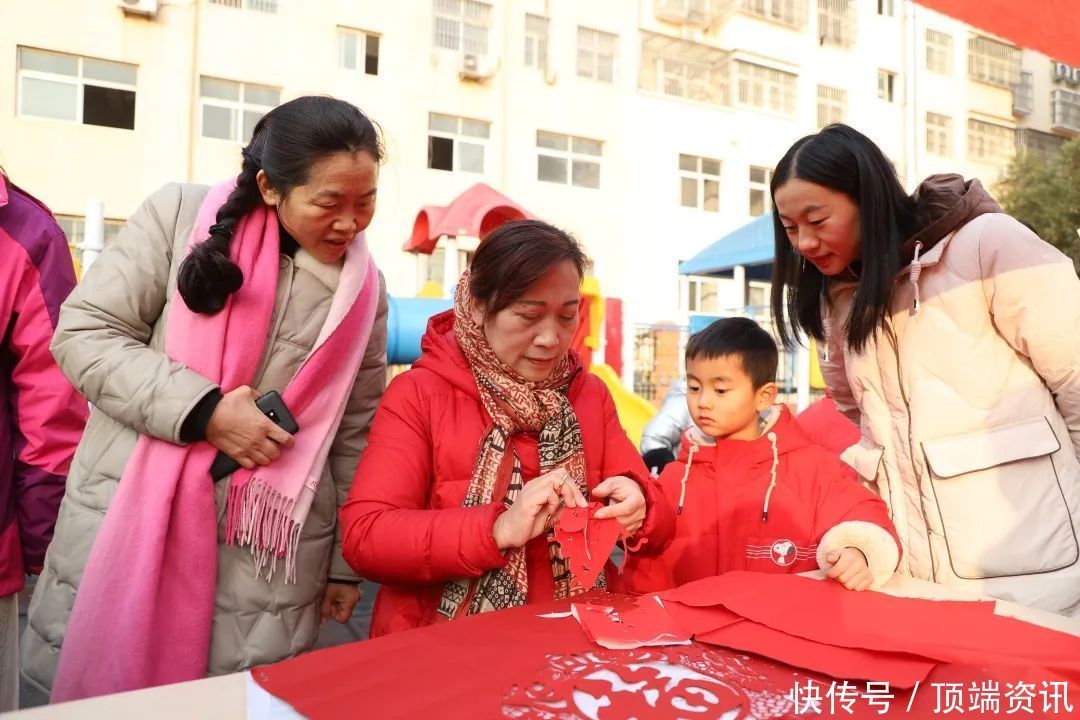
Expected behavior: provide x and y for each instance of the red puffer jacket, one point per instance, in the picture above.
(403, 525)
(723, 488)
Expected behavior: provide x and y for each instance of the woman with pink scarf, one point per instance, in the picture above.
(209, 298)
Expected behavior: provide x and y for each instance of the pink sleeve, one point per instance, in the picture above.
(48, 413)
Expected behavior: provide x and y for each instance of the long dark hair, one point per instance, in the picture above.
(285, 144)
(514, 256)
(842, 159)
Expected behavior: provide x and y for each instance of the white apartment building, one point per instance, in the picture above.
(649, 128)
(1047, 103)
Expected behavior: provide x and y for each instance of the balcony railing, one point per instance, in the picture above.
(701, 13)
(1041, 144)
(1065, 108)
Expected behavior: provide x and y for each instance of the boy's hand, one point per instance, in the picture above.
(849, 568)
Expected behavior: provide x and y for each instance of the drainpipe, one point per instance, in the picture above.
(93, 233)
(193, 92)
(910, 65)
(802, 375)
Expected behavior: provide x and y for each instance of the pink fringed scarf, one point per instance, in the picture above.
(144, 610)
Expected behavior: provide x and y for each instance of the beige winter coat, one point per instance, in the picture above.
(109, 342)
(970, 413)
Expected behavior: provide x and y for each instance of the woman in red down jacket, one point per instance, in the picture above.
(474, 450)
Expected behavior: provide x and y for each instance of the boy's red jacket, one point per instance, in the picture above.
(722, 488)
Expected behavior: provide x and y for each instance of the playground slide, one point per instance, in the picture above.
(406, 321)
(634, 410)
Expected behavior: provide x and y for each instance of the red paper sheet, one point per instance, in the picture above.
(697, 620)
(897, 669)
(824, 612)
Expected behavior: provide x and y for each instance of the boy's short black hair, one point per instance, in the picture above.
(737, 337)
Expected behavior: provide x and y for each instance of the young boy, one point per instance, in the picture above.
(753, 493)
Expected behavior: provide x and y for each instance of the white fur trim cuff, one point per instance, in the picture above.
(873, 541)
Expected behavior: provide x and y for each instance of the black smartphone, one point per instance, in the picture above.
(273, 407)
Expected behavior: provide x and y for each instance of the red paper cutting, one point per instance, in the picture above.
(586, 542)
(646, 624)
(660, 684)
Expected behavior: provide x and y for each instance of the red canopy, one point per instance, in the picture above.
(1051, 27)
(475, 213)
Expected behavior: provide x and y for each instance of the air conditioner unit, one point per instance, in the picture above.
(475, 67)
(146, 8)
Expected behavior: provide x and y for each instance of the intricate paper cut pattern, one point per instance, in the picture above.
(586, 542)
(660, 684)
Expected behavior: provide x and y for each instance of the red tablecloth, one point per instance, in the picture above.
(518, 664)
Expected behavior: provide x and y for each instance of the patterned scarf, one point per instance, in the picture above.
(515, 405)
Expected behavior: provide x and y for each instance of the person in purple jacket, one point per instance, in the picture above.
(41, 414)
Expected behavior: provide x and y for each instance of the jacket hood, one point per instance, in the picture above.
(944, 203)
(441, 354)
(780, 435)
(778, 421)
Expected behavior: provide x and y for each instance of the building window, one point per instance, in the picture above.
(566, 159)
(1024, 94)
(433, 266)
(939, 54)
(683, 69)
(766, 88)
(536, 42)
(831, 105)
(462, 25)
(990, 142)
(457, 143)
(1065, 105)
(886, 8)
(836, 22)
(596, 54)
(699, 183)
(886, 85)
(230, 109)
(757, 296)
(74, 226)
(760, 195)
(702, 295)
(266, 6)
(938, 134)
(993, 62)
(786, 12)
(358, 50)
(78, 89)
